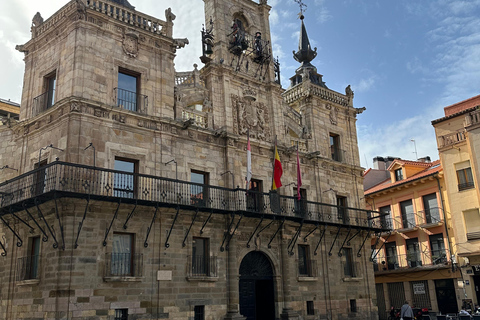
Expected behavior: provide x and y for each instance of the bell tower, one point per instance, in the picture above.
(239, 67)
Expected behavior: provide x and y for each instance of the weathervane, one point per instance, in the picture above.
(302, 5)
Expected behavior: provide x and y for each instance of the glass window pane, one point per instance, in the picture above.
(127, 82)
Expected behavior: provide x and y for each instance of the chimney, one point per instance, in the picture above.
(379, 163)
(425, 159)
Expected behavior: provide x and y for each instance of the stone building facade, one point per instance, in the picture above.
(130, 198)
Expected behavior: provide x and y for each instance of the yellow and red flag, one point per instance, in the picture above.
(277, 171)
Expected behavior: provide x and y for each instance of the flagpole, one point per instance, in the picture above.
(249, 162)
(273, 163)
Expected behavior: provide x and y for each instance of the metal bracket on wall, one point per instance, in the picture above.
(308, 234)
(205, 223)
(145, 244)
(292, 243)
(21, 220)
(227, 246)
(264, 228)
(107, 231)
(129, 216)
(40, 213)
(386, 240)
(320, 240)
(356, 234)
(340, 251)
(80, 224)
(250, 239)
(274, 235)
(59, 221)
(333, 243)
(191, 225)
(222, 248)
(363, 243)
(167, 245)
(45, 236)
(4, 253)
(19, 242)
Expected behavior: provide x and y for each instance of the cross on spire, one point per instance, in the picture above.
(302, 5)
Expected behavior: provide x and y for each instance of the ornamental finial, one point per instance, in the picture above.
(302, 10)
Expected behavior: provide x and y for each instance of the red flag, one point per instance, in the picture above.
(277, 171)
(299, 176)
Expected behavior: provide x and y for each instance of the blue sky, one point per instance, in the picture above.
(405, 60)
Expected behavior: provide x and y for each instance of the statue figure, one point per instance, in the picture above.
(37, 20)
(169, 15)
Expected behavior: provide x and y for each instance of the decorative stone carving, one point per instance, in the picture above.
(118, 117)
(75, 107)
(180, 43)
(250, 115)
(37, 20)
(81, 10)
(130, 43)
(169, 15)
(334, 116)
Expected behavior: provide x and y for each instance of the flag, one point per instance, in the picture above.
(299, 176)
(249, 163)
(277, 171)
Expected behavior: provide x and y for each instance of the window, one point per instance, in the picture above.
(465, 179)
(28, 265)
(122, 255)
(50, 83)
(310, 308)
(198, 191)
(353, 305)
(127, 91)
(255, 196)
(408, 218)
(200, 257)
(342, 208)
(300, 205)
(437, 245)
(348, 267)
(40, 177)
(304, 262)
(398, 175)
(199, 312)
(413, 253)
(472, 226)
(121, 314)
(430, 205)
(385, 218)
(335, 147)
(391, 249)
(124, 185)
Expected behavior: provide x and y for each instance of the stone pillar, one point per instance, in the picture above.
(287, 313)
(233, 306)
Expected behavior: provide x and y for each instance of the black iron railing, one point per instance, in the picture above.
(201, 266)
(43, 102)
(27, 268)
(123, 265)
(130, 100)
(111, 185)
(465, 186)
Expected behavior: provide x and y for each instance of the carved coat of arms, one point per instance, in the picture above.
(130, 44)
(250, 115)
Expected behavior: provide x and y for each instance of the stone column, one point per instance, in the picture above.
(287, 313)
(233, 306)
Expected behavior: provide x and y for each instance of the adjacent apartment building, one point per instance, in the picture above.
(458, 140)
(414, 261)
(130, 200)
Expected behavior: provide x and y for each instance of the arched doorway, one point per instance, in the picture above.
(256, 287)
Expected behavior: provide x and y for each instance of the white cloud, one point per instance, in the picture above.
(364, 84)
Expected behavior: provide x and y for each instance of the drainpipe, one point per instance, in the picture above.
(446, 226)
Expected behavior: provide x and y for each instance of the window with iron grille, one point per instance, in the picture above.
(199, 313)
(50, 84)
(349, 267)
(421, 294)
(408, 215)
(124, 184)
(28, 265)
(200, 257)
(342, 208)
(128, 89)
(304, 262)
(465, 179)
(335, 147)
(385, 218)
(121, 314)
(199, 192)
(310, 308)
(122, 255)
